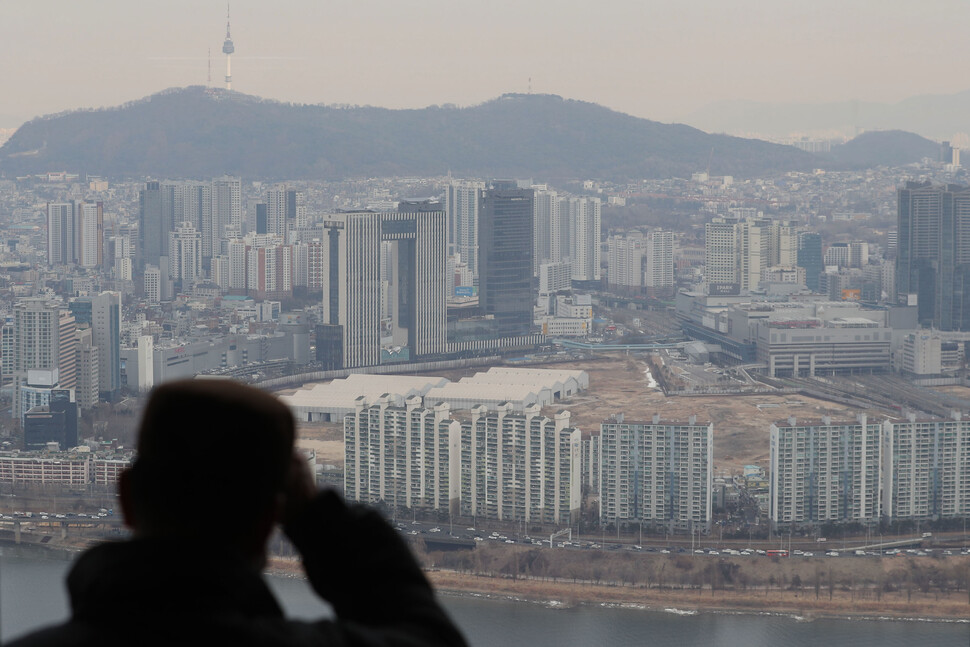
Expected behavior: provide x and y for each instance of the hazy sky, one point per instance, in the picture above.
(658, 59)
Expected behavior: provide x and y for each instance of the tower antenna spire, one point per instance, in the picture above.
(228, 48)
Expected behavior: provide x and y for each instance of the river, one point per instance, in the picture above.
(32, 594)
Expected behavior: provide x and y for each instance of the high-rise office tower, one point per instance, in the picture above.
(185, 254)
(462, 201)
(505, 258)
(933, 253)
(411, 242)
(153, 225)
(810, 257)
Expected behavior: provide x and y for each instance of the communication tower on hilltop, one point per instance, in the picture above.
(228, 49)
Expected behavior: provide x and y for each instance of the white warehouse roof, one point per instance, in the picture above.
(331, 401)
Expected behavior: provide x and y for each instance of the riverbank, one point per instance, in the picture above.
(901, 597)
(800, 603)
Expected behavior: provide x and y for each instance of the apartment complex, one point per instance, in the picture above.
(824, 472)
(656, 472)
(520, 466)
(928, 460)
(403, 456)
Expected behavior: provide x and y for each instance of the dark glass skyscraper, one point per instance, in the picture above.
(152, 231)
(933, 253)
(505, 258)
(810, 257)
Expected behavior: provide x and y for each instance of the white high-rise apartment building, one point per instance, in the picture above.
(153, 284)
(404, 456)
(226, 212)
(86, 390)
(825, 472)
(462, 201)
(584, 216)
(658, 265)
(754, 251)
(520, 466)
(658, 472)
(286, 210)
(90, 234)
(60, 233)
(237, 271)
(837, 254)
(926, 465)
(121, 262)
(740, 251)
(75, 232)
(226, 208)
(37, 341)
(353, 296)
(624, 259)
(721, 252)
(185, 253)
(550, 229)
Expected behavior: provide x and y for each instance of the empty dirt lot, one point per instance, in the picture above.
(618, 384)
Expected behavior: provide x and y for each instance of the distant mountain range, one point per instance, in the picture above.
(880, 148)
(199, 132)
(937, 117)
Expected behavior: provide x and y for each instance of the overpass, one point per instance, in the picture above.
(580, 345)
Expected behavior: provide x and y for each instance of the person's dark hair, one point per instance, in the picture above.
(210, 451)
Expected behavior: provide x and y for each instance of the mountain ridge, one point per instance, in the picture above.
(198, 132)
(934, 116)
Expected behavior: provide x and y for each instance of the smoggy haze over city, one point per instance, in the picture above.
(658, 60)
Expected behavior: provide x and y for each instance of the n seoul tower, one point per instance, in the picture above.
(228, 49)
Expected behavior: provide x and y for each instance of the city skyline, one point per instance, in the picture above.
(657, 62)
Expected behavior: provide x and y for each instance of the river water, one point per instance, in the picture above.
(32, 594)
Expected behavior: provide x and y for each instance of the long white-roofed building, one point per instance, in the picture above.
(331, 401)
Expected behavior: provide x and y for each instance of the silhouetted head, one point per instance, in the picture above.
(213, 456)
